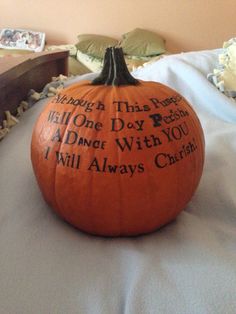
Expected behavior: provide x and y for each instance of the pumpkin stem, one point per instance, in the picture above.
(114, 71)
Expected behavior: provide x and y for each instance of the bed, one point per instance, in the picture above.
(188, 266)
(30, 72)
(140, 46)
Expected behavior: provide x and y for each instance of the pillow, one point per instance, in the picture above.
(95, 45)
(76, 68)
(96, 64)
(92, 63)
(141, 42)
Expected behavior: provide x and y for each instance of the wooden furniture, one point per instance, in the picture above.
(32, 71)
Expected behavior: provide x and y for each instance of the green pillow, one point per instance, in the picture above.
(92, 63)
(76, 67)
(141, 42)
(95, 45)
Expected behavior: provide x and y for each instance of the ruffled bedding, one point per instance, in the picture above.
(224, 75)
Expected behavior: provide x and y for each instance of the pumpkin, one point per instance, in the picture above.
(117, 156)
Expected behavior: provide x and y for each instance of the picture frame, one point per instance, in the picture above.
(22, 39)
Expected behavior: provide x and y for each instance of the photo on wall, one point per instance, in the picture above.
(22, 39)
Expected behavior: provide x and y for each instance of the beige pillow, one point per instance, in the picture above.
(95, 45)
(141, 42)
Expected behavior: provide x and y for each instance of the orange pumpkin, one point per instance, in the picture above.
(117, 156)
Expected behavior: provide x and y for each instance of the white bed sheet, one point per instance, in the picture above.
(189, 266)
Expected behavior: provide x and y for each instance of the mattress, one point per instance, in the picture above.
(188, 266)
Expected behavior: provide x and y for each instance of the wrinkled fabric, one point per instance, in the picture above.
(189, 266)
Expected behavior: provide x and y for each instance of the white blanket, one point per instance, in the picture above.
(187, 267)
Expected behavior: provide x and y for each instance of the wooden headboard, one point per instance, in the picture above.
(185, 24)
